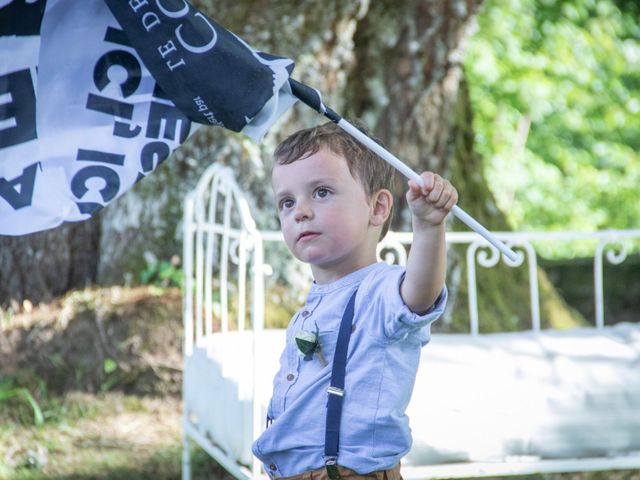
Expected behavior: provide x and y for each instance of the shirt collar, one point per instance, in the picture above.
(354, 278)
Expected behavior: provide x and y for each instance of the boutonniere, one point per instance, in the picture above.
(309, 343)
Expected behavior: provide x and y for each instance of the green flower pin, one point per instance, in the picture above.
(309, 343)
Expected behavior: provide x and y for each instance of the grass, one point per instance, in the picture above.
(108, 436)
(8, 391)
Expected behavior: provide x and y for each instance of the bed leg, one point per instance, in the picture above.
(186, 458)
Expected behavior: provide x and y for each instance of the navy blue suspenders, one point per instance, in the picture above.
(336, 390)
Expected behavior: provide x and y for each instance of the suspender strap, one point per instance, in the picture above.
(336, 390)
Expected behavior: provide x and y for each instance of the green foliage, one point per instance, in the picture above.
(555, 87)
(9, 391)
(110, 365)
(113, 374)
(163, 273)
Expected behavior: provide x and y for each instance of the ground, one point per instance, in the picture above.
(104, 436)
(103, 367)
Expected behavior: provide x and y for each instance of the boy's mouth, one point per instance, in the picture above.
(307, 235)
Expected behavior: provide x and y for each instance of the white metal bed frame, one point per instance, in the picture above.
(219, 226)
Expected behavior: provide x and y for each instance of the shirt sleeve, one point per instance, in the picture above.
(396, 320)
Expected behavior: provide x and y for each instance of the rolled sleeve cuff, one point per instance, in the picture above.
(439, 304)
(406, 320)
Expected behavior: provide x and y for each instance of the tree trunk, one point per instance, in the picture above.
(40, 266)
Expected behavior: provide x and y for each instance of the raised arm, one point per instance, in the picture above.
(426, 264)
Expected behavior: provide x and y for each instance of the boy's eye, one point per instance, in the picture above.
(322, 192)
(286, 204)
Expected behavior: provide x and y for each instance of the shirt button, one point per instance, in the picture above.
(291, 376)
(273, 467)
(305, 313)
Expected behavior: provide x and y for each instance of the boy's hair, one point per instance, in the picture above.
(364, 165)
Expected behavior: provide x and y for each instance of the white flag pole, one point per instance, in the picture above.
(409, 173)
(312, 97)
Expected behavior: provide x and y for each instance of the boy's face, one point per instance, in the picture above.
(324, 213)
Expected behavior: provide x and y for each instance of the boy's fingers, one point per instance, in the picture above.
(435, 194)
(452, 199)
(435, 190)
(414, 190)
(443, 195)
(429, 181)
(446, 203)
(442, 202)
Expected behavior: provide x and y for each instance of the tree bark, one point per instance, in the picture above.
(43, 265)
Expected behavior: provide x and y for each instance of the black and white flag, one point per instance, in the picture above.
(82, 118)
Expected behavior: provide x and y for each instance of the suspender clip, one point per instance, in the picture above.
(335, 391)
(331, 464)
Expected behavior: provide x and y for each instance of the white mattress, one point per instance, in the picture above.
(550, 395)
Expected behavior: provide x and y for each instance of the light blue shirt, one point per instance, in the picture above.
(382, 362)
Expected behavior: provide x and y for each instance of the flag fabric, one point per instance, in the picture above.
(82, 115)
(228, 82)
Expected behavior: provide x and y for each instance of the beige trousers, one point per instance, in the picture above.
(348, 474)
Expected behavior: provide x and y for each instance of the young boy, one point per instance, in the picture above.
(334, 206)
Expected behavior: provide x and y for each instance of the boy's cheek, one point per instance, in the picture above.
(286, 233)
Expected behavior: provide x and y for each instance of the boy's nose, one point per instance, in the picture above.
(303, 212)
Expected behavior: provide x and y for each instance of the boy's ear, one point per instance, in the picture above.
(381, 203)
